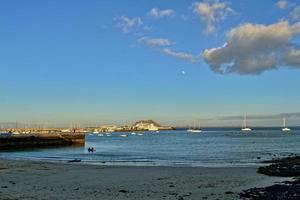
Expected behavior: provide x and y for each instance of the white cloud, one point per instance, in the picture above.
(182, 55)
(254, 49)
(295, 14)
(296, 28)
(211, 12)
(155, 42)
(126, 24)
(282, 4)
(158, 13)
(292, 58)
(163, 44)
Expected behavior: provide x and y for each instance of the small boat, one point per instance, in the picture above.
(194, 130)
(245, 128)
(16, 133)
(285, 129)
(133, 133)
(100, 135)
(140, 134)
(74, 160)
(96, 132)
(123, 135)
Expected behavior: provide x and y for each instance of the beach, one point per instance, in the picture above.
(22, 179)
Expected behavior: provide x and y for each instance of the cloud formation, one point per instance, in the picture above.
(181, 55)
(211, 12)
(158, 13)
(295, 14)
(126, 24)
(254, 49)
(164, 45)
(282, 4)
(155, 42)
(295, 115)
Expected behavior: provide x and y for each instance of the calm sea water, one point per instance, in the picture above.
(212, 147)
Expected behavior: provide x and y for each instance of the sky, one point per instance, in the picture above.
(99, 62)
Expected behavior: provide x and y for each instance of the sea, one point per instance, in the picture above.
(213, 147)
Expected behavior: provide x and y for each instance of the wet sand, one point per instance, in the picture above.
(40, 180)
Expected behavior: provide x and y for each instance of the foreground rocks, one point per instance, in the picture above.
(286, 167)
(288, 190)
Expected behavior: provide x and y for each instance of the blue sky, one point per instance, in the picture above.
(120, 61)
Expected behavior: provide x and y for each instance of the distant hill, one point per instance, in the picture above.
(150, 125)
(147, 122)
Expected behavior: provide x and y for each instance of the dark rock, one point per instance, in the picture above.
(173, 193)
(229, 192)
(180, 198)
(290, 191)
(285, 167)
(187, 195)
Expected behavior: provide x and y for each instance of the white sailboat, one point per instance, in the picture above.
(194, 130)
(245, 128)
(285, 129)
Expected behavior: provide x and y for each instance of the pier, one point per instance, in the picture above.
(38, 140)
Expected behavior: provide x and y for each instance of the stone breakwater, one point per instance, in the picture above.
(41, 140)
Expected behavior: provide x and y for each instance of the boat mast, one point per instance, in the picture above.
(284, 125)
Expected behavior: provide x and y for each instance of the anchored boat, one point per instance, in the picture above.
(245, 128)
(285, 129)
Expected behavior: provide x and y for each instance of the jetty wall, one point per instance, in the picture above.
(41, 140)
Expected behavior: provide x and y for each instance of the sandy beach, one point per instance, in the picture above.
(41, 180)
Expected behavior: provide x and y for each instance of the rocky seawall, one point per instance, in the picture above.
(41, 140)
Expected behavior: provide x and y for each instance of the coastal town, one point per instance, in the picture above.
(142, 125)
(15, 138)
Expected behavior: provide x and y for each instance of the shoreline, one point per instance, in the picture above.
(81, 181)
(134, 163)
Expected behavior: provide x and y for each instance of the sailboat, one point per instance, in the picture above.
(245, 128)
(194, 130)
(285, 129)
